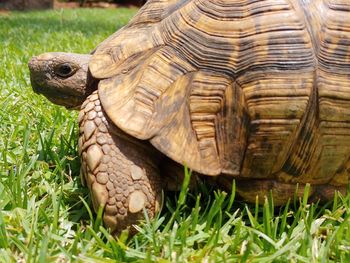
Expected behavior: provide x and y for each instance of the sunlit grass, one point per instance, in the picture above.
(45, 212)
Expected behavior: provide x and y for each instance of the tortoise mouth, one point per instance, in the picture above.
(69, 101)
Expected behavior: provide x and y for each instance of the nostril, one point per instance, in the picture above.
(32, 62)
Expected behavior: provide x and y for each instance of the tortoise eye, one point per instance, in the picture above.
(64, 70)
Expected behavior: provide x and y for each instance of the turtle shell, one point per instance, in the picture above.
(252, 89)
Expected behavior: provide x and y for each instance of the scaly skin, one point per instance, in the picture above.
(120, 171)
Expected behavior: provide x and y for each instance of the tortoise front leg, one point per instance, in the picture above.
(120, 171)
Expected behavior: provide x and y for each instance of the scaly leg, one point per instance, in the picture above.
(120, 171)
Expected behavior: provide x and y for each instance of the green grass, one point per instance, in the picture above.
(44, 210)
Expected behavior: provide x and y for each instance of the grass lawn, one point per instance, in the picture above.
(44, 210)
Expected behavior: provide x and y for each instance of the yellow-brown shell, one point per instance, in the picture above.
(254, 89)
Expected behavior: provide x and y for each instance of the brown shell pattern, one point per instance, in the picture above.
(250, 88)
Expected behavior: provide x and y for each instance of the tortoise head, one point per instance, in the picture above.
(63, 78)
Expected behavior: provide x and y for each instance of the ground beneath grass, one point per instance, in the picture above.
(45, 212)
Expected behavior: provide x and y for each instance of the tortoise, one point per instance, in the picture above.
(256, 91)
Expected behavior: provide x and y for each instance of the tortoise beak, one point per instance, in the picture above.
(37, 66)
(32, 65)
